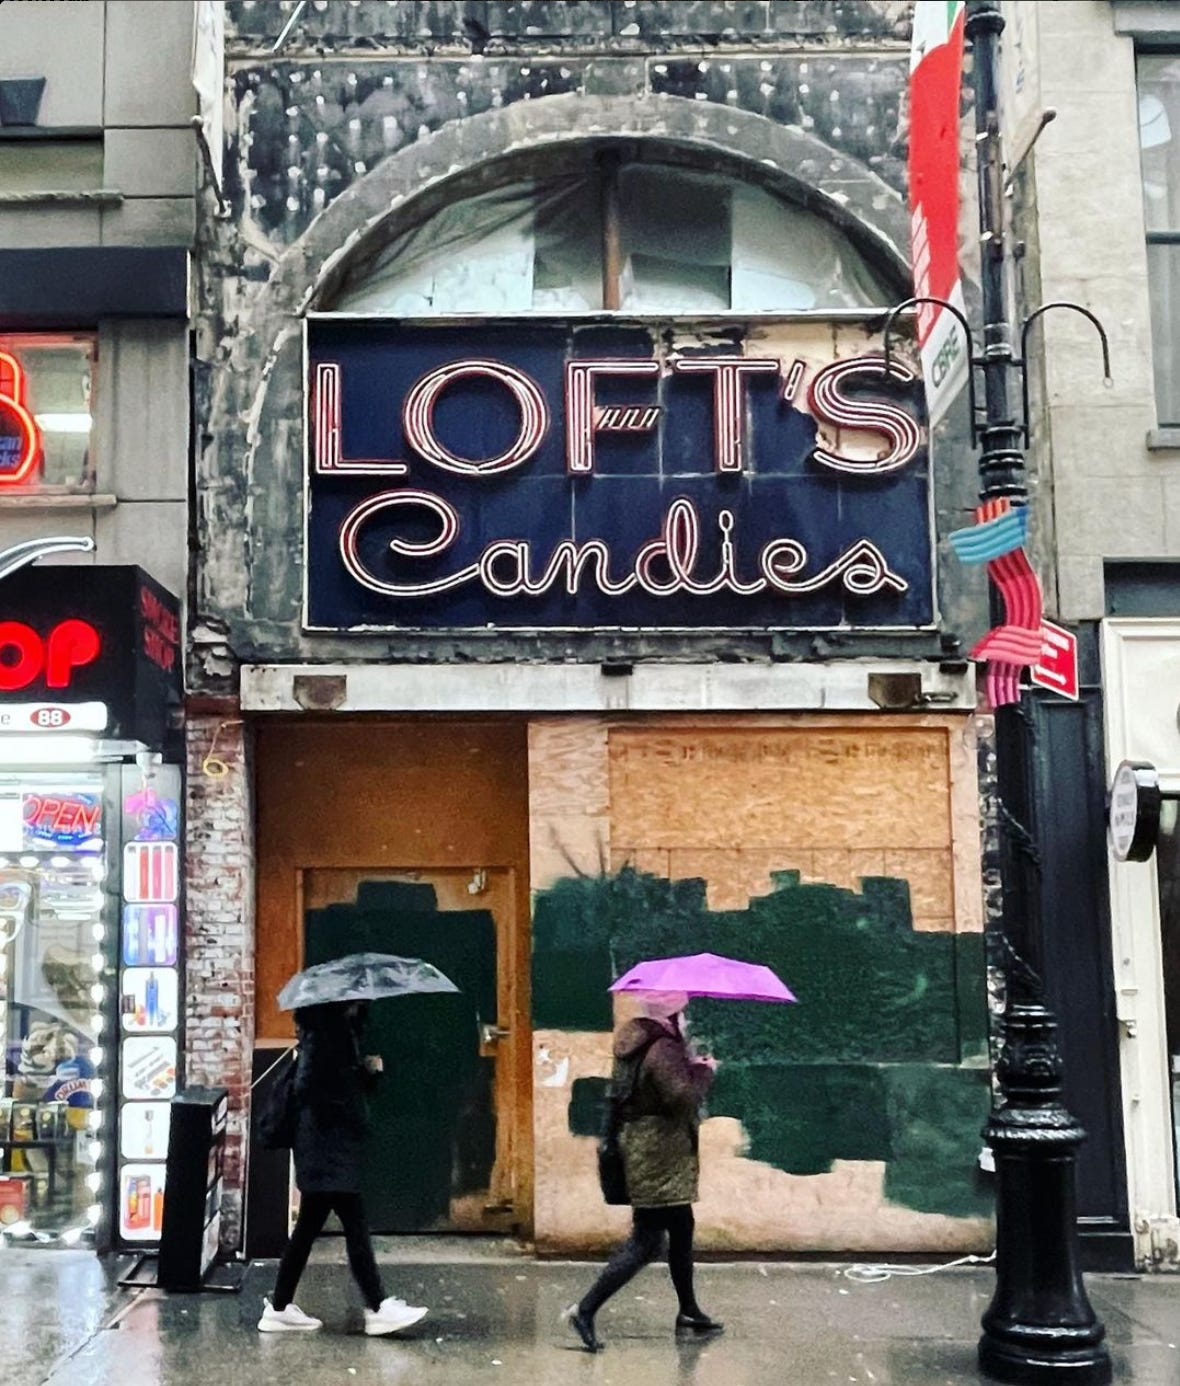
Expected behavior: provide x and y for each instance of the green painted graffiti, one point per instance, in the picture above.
(882, 1059)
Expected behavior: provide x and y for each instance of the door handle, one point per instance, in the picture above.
(490, 1034)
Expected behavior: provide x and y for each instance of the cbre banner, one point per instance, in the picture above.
(936, 65)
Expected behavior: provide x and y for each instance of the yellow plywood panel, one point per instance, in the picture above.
(567, 767)
(931, 881)
(654, 861)
(816, 787)
(576, 845)
(569, 822)
(965, 828)
(833, 865)
(734, 878)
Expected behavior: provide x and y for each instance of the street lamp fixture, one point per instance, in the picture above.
(1040, 1326)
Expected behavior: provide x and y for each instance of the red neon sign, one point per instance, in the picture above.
(24, 655)
(20, 438)
(66, 815)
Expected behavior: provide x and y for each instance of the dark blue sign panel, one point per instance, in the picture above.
(536, 475)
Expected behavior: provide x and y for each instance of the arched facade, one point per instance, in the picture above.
(575, 792)
(251, 473)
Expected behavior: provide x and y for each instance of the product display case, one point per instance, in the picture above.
(90, 894)
(149, 996)
(56, 917)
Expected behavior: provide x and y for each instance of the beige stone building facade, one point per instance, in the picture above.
(1099, 203)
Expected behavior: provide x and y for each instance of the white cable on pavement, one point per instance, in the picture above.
(873, 1274)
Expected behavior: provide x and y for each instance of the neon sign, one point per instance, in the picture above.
(20, 438)
(585, 419)
(156, 818)
(25, 656)
(506, 569)
(563, 477)
(64, 820)
(161, 630)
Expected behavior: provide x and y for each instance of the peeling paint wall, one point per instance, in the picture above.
(844, 853)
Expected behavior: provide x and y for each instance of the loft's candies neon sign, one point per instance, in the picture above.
(20, 438)
(584, 418)
(667, 563)
(25, 656)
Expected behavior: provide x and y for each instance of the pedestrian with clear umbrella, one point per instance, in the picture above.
(325, 1118)
(658, 1085)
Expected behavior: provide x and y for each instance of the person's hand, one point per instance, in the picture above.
(373, 1063)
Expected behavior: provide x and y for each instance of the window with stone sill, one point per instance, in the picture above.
(639, 237)
(1159, 145)
(46, 422)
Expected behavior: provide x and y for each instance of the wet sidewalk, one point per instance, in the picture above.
(495, 1318)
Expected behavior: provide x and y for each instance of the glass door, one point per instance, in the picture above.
(54, 932)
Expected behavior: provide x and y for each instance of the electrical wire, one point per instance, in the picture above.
(873, 1274)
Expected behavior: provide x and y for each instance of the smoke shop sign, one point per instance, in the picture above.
(548, 476)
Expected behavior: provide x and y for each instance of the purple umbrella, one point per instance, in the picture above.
(705, 974)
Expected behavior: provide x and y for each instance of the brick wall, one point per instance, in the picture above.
(219, 936)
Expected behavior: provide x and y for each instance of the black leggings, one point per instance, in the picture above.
(643, 1245)
(313, 1213)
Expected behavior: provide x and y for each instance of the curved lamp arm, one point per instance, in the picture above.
(20, 555)
(1028, 322)
(963, 323)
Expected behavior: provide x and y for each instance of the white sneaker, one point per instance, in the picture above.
(292, 1319)
(394, 1315)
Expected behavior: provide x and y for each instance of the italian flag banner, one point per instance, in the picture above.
(936, 67)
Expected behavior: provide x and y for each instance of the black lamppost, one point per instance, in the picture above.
(1040, 1326)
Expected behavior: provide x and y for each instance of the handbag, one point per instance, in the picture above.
(612, 1173)
(279, 1115)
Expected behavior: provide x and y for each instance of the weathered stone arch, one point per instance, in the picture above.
(250, 497)
(463, 155)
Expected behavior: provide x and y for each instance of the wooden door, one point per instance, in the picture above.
(410, 837)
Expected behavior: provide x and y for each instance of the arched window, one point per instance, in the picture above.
(639, 237)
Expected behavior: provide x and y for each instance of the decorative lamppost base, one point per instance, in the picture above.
(1040, 1326)
(1005, 1362)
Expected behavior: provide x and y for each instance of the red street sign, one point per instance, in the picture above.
(1057, 668)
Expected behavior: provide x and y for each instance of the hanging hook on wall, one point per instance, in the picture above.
(1107, 379)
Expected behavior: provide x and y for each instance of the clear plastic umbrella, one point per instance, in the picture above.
(362, 977)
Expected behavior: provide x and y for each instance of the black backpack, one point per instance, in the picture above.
(280, 1110)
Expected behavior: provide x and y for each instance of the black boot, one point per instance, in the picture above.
(583, 1326)
(697, 1324)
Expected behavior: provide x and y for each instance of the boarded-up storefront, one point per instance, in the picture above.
(842, 851)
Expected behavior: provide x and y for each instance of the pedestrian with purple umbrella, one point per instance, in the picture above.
(659, 1084)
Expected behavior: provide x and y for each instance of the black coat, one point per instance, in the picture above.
(330, 1088)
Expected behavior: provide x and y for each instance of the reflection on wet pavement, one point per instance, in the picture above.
(67, 1323)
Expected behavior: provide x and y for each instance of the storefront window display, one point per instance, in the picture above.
(46, 386)
(90, 830)
(55, 922)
